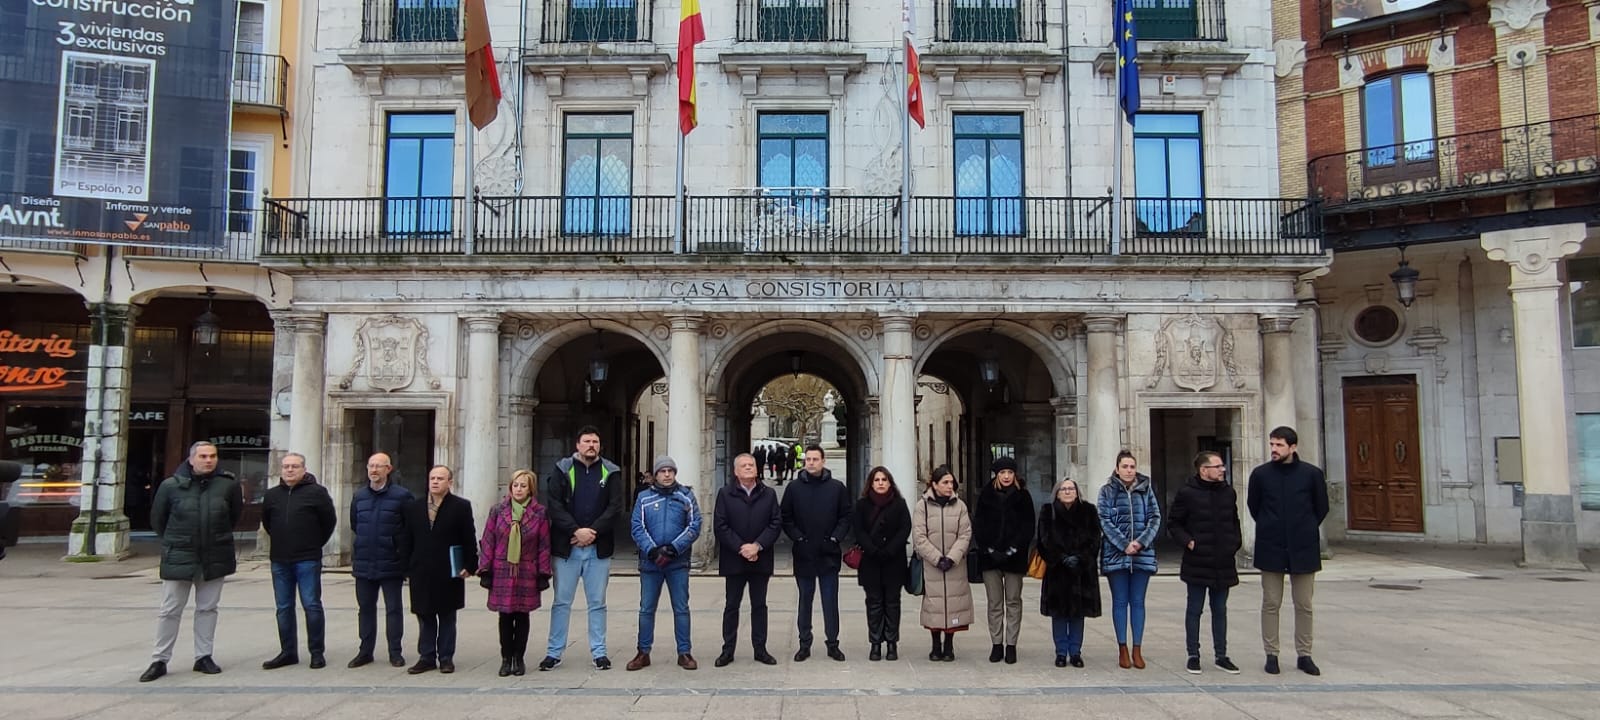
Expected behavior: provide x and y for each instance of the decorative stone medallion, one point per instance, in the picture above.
(1189, 348)
(392, 349)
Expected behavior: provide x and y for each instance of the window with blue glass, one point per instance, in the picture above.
(1168, 174)
(602, 21)
(988, 167)
(793, 161)
(419, 173)
(426, 20)
(1397, 125)
(597, 179)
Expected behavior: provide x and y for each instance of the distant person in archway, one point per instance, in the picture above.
(816, 517)
(759, 454)
(1288, 499)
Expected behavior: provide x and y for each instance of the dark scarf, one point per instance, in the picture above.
(879, 502)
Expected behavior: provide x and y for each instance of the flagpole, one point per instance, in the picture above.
(905, 128)
(677, 202)
(1116, 167)
(469, 223)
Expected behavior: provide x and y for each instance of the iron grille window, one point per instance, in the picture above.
(1168, 174)
(985, 20)
(1166, 19)
(419, 173)
(602, 21)
(425, 20)
(989, 174)
(792, 20)
(597, 178)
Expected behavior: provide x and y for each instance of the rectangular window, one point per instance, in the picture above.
(985, 20)
(792, 20)
(1589, 460)
(244, 191)
(419, 173)
(988, 168)
(1397, 127)
(1168, 174)
(1583, 286)
(597, 179)
(425, 20)
(1166, 19)
(602, 21)
(793, 163)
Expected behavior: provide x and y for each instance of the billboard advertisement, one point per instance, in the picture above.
(115, 121)
(1350, 12)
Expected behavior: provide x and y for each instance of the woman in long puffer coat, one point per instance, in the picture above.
(515, 557)
(941, 532)
(1069, 544)
(1130, 517)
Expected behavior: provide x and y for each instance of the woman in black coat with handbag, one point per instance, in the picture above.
(435, 523)
(881, 524)
(1002, 531)
(1069, 544)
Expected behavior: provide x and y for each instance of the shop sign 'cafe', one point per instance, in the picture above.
(20, 356)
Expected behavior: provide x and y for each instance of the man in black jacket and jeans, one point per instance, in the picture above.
(746, 522)
(299, 518)
(582, 509)
(816, 516)
(1288, 499)
(1204, 519)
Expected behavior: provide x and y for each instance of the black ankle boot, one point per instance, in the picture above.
(938, 650)
(505, 666)
(894, 652)
(996, 652)
(949, 647)
(1011, 654)
(877, 652)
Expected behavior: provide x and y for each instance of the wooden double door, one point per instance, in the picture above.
(1383, 453)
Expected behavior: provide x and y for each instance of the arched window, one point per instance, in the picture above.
(1397, 125)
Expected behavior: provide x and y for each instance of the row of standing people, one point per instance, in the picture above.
(784, 461)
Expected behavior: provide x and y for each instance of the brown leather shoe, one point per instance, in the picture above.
(686, 661)
(1138, 658)
(1122, 657)
(639, 662)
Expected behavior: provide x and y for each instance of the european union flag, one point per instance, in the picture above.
(1127, 56)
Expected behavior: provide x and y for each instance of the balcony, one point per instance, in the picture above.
(1180, 19)
(989, 21)
(410, 21)
(260, 80)
(596, 21)
(792, 21)
(789, 224)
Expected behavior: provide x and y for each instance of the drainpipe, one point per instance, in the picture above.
(520, 103)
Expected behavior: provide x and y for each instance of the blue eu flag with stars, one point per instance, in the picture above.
(1127, 55)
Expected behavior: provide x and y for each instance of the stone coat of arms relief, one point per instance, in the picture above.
(393, 349)
(1195, 350)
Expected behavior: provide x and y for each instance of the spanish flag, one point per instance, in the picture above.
(908, 19)
(483, 81)
(691, 32)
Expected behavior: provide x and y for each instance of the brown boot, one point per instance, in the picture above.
(1122, 657)
(1138, 658)
(640, 661)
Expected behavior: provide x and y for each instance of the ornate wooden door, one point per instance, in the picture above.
(1383, 453)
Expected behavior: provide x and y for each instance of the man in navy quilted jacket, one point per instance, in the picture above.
(379, 562)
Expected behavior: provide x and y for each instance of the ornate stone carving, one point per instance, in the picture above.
(1533, 250)
(719, 331)
(922, 332)
(660, 331)
(526, 331)
(1193, 349)
(1291, 56)
(393, 349)
(1376, 363)
(1513, 15)
(864, 331)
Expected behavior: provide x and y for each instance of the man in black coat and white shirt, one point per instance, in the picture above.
(746, 521)
(1204, 519)
(816, 517)
(1288, 500)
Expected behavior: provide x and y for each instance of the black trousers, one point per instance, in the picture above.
(513, 634)
(734, 588)
(883, 612)
(437, 641)
(394, 623)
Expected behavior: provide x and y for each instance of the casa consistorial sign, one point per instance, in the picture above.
(789, 289)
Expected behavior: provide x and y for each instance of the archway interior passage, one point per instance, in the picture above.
(792, 412)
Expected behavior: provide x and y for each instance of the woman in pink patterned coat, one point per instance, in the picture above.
(515, 559)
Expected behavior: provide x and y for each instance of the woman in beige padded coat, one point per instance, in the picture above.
(941, 531)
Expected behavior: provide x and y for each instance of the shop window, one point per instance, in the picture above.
(1589, 460)
(240, 357)
(47, 440)
(1583, 285)
(241, 437)
(153, 357)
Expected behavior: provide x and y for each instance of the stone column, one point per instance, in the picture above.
(306, 395)
(478, 478)
(1277, 371)
(899, 402)
(686, 409)
(1307, 373)
(520, 431)
(1066, 417)
(1549, 529)
(101, 530)
(278, 427)
(1105, 407)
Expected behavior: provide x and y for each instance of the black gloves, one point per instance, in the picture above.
(544, 582)
(945, 564)
(1071, 561)
(663, 555)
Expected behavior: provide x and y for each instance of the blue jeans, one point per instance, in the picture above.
(306, 576)
(677, 582)
(830, 607)
(1219, 620)
(1068, 634)
(585, 566)
(1127, 603)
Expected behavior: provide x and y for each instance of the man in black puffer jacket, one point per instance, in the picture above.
(1002, 532)
(298, 516)
(193, 513)
(1204, 519)
(816, 517)
(379, 562)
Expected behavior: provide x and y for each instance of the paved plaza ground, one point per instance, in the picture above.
(1403, 631)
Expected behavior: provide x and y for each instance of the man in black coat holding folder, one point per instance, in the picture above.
(442, 546)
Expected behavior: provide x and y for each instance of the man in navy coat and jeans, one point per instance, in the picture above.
(377, 520)
(1288, 499)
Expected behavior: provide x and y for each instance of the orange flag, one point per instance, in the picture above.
(483, 81)
(691, 32)
(908, 19)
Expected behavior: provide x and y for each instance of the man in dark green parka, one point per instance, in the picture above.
(193, 513)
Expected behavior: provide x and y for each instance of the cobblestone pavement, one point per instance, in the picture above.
(1402, 632)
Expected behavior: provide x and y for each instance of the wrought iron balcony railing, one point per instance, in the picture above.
(581, 21)
(1552, 152)
(260, 79)
(793, 20)
(410, 21)
(1180, 19)
(791, 223)
(990, 21)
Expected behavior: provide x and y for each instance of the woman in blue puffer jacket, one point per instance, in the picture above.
(1130, 517)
